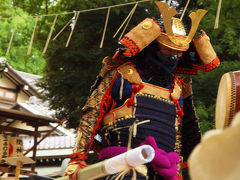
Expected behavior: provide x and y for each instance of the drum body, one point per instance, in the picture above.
(228, 99)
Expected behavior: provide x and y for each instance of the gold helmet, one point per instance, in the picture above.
(180, 34)
(171, 33)
(175, 36)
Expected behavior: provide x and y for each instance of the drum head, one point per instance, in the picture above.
(228, 97)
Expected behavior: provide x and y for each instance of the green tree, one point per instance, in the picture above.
(205, 88)
(22, 28)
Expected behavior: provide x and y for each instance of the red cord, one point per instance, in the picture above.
(77, 157)
(179, 177)
(184, 165)
(135, 89)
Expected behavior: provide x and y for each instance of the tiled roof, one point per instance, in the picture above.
(54, 144)
(49, 143)
(37, 106)
(31, 79)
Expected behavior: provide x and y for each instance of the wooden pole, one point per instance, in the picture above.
(34, 149)
(18, 169)
(49, 132)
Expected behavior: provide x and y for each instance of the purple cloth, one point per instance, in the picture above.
(109, 152)
(165, 164)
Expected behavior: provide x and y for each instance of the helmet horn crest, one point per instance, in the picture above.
(168, 13)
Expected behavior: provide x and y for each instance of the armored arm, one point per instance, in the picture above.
(191, 134)
(92, 113)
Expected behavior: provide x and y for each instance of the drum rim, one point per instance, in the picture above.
(231, 108)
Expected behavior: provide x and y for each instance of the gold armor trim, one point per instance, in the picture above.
(129, 73)
(144, 33)
(204, 48)
(164, 39)
(122, 111)
(177, 90)
(90, 113)
(156, 91)
(71, 168)
(149, 90)
(147, 25)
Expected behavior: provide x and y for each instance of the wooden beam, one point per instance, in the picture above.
(30, 118)
(20, 131)
(41, 123)
(11, 169)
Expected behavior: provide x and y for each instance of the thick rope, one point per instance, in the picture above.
(141, 169)
(86, 10)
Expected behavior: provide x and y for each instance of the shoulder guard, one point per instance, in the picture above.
(129, 72)
(140, 37)
(206, 53)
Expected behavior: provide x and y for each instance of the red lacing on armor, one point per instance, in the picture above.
(179, 177)
(208, 67)
(118, 59)
(182, 82)
(135, 89)
(175, 101)
(139, 71)
(116, 55)
(185, 71)
(184, 165)
(77, 157)
(179, 111)
(131, 45)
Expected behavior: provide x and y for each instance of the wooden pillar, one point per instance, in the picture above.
(35, 149)
(18, 169)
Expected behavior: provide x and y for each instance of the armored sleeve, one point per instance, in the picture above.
(191, 134)
(200, 56)
(91, 116)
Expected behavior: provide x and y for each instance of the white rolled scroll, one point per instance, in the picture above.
(134, 157)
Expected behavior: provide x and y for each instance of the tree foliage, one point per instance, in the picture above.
(22, 28)
(225, 39)
(205, 88)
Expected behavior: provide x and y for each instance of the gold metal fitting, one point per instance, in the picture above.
(147, 25)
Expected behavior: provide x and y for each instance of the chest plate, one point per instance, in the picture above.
(151, 103)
